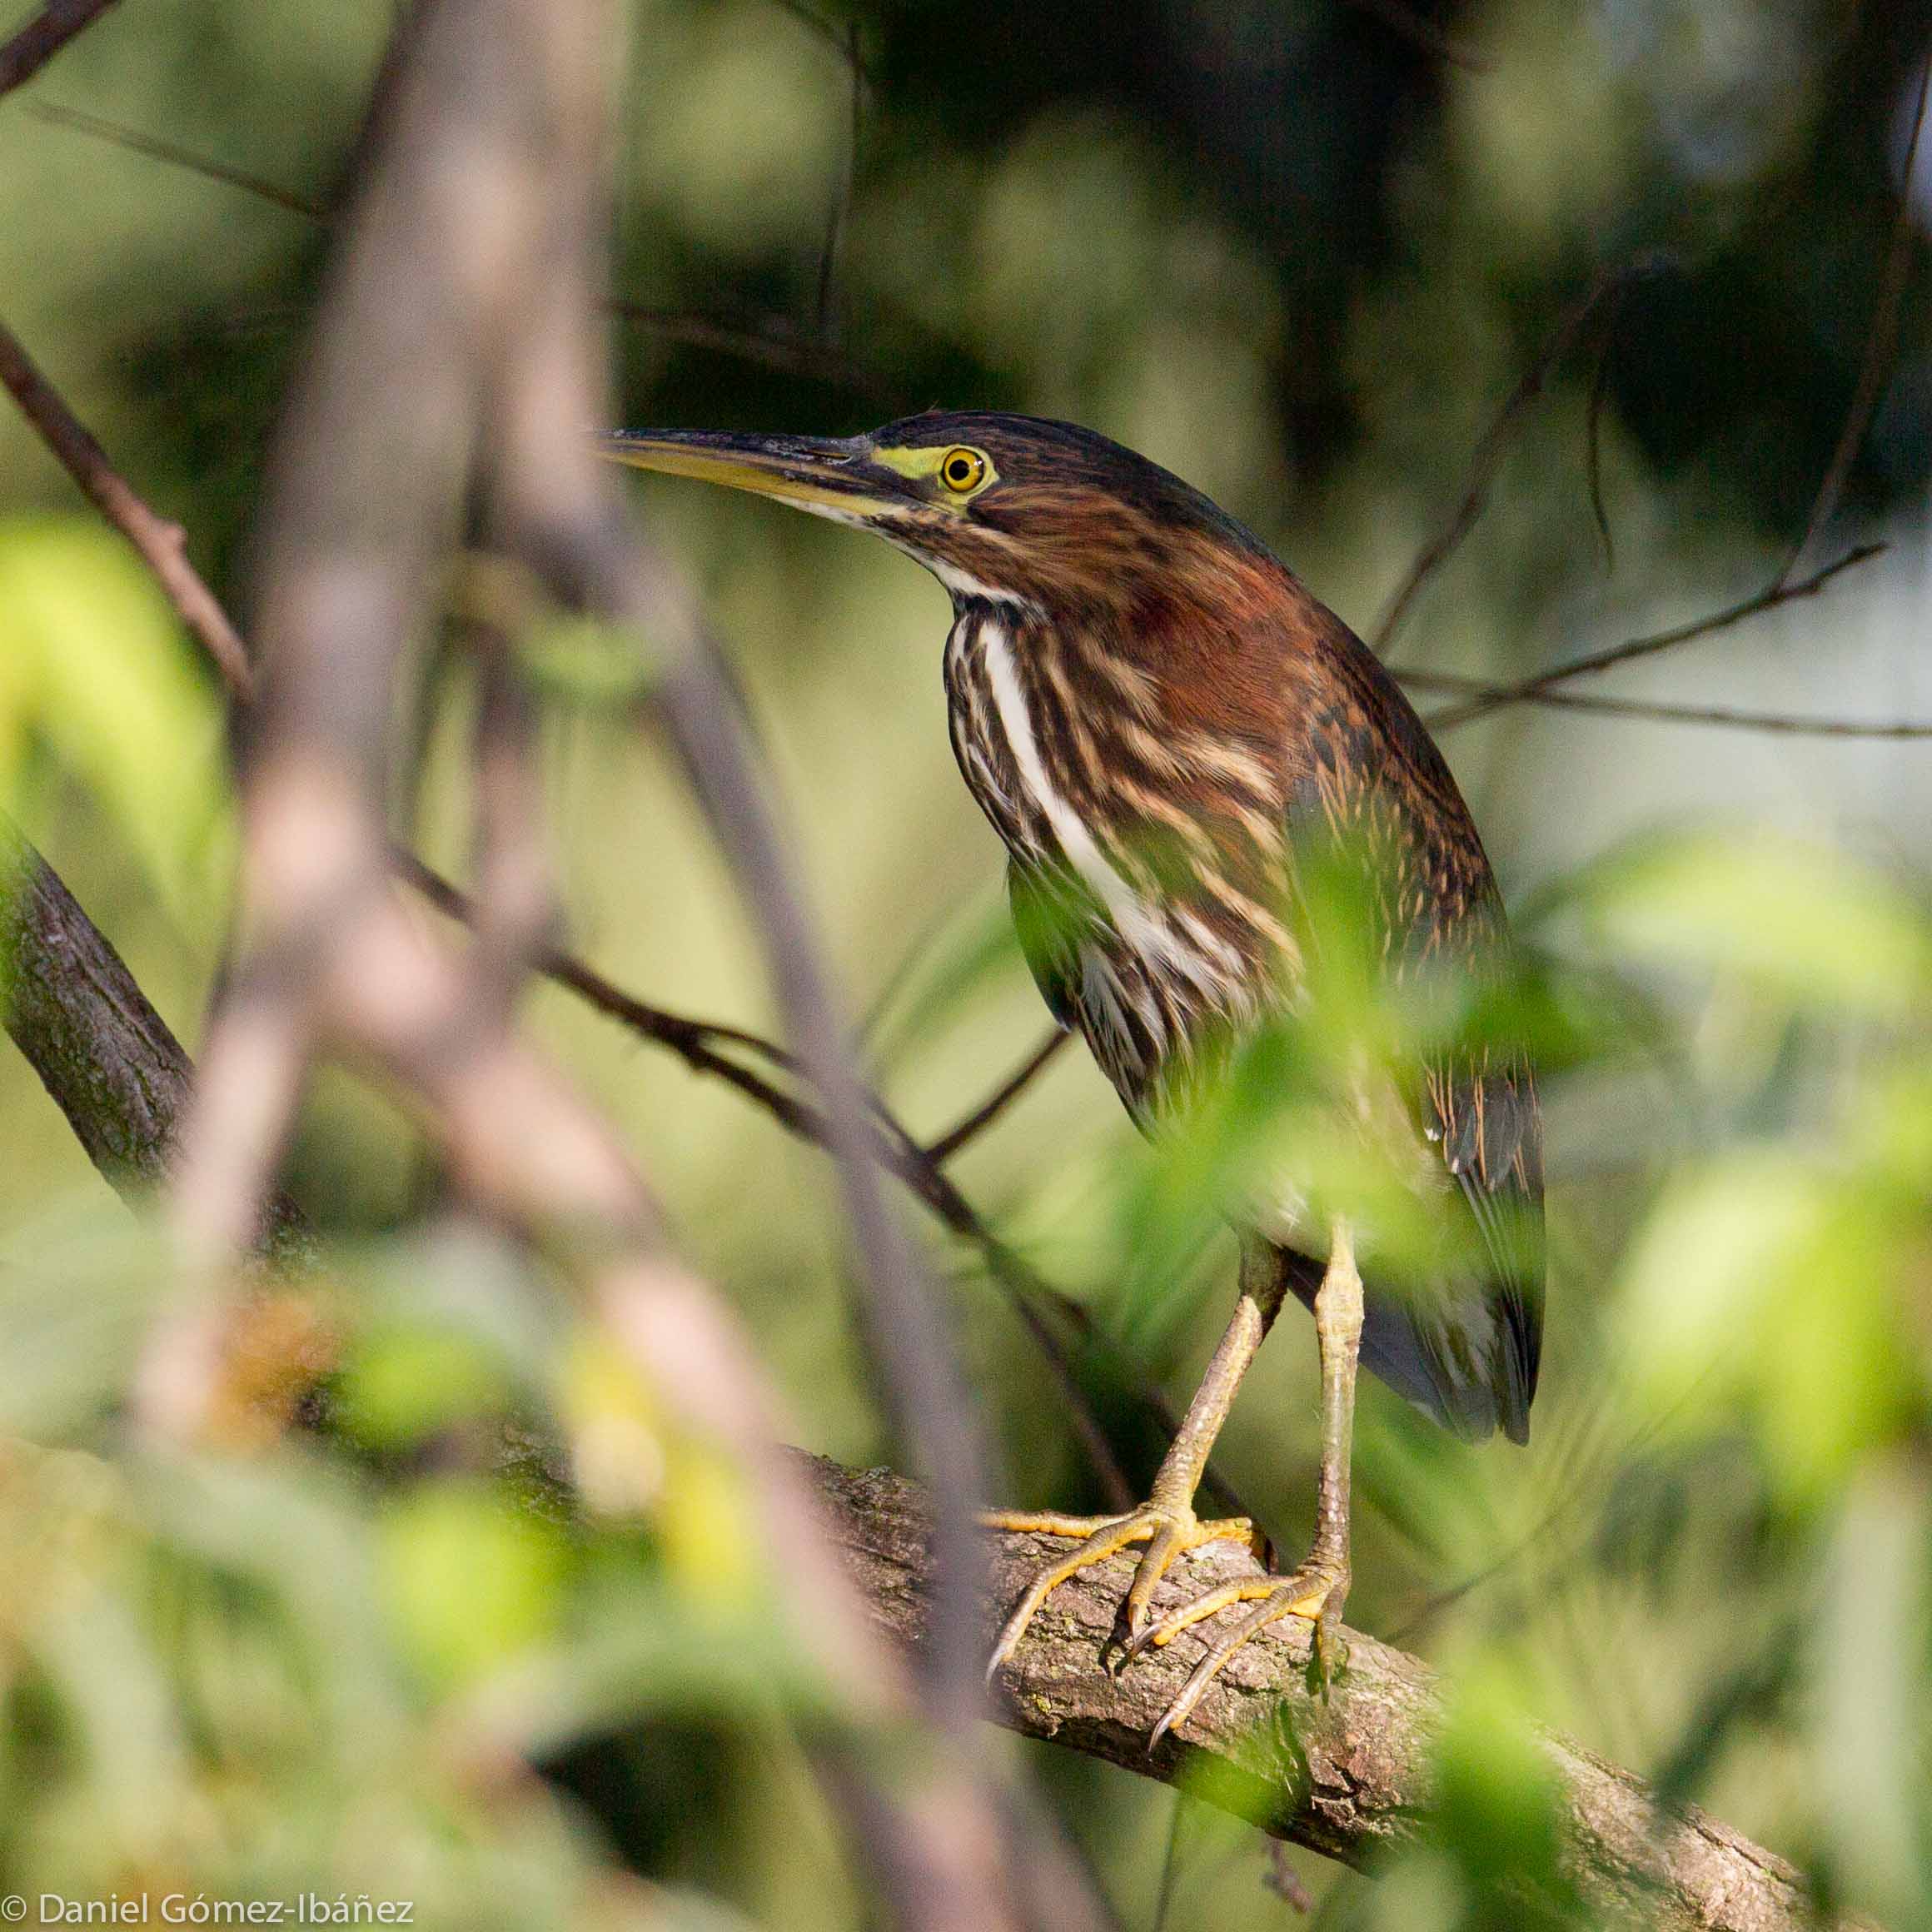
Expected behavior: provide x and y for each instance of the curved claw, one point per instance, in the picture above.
(1315, 1592)
(1112, 1534)
(1169, 1532)
(1210, 1603)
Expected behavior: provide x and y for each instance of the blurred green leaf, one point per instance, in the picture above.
(1807, 924)
(1761, 1285)
(1868, 1644)
(583, 662)
(77, 1293)
(1499, 1807)
(100, 671)
(405, 1382)
(470, 1579)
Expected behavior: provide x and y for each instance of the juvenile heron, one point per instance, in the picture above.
(1161, 724)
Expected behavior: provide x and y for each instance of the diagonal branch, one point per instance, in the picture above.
(1778, 724)
(1484, 696)
(163, 545)
(1361, 1779)
(1607, 286)
(172, 154)
(107, 1059)
(36, 44)
(1349, 1778)
(1881, 341)
(767, 345)
(999, 1099)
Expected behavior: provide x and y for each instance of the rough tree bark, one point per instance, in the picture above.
(1349, 1778)
(107, 1057)
(110, 1061)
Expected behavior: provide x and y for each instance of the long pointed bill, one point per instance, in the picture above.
(831, 479)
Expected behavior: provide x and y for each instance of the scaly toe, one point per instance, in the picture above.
(1169, 1531)
(1315, 1592)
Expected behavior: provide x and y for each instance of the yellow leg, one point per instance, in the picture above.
(1167, 1524)
(1319, 1589)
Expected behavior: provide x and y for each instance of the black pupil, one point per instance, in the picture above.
(959, 471)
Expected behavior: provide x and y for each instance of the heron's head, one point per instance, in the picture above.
(1009, 507)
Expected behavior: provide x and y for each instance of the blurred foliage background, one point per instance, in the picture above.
(1298, 252)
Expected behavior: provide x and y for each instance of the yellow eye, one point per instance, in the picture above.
(963, 469)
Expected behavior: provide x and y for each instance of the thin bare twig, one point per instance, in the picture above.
(843, 189)
(1485, 695)
(1424, 33)
(1881, 343)
(163, 545)
(1593, 440)
(35, 44)
(1787, 724)
(1606, 283)
(998, 1100)
(171, 154)
(768, 345)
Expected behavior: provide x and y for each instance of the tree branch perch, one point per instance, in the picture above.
(1349, 1778)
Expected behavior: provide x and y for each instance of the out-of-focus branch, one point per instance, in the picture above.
(704, 1046)
(769, 345)
(1607, 286)
(1349, 1776)
(1881, 343)
(999, 1099)
(455, 362)
(32, 45)
(584, 547)
(1484, 696)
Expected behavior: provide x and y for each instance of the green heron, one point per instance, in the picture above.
(1161, 722)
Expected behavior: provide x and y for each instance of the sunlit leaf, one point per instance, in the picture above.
(470, 1579)
(1763, 1286)
(100, 669)
(1806, 922)
(1499, 1806)
(405, 1382)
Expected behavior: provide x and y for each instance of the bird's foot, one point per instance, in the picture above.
(1169, 1530)
(1316, 1592)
